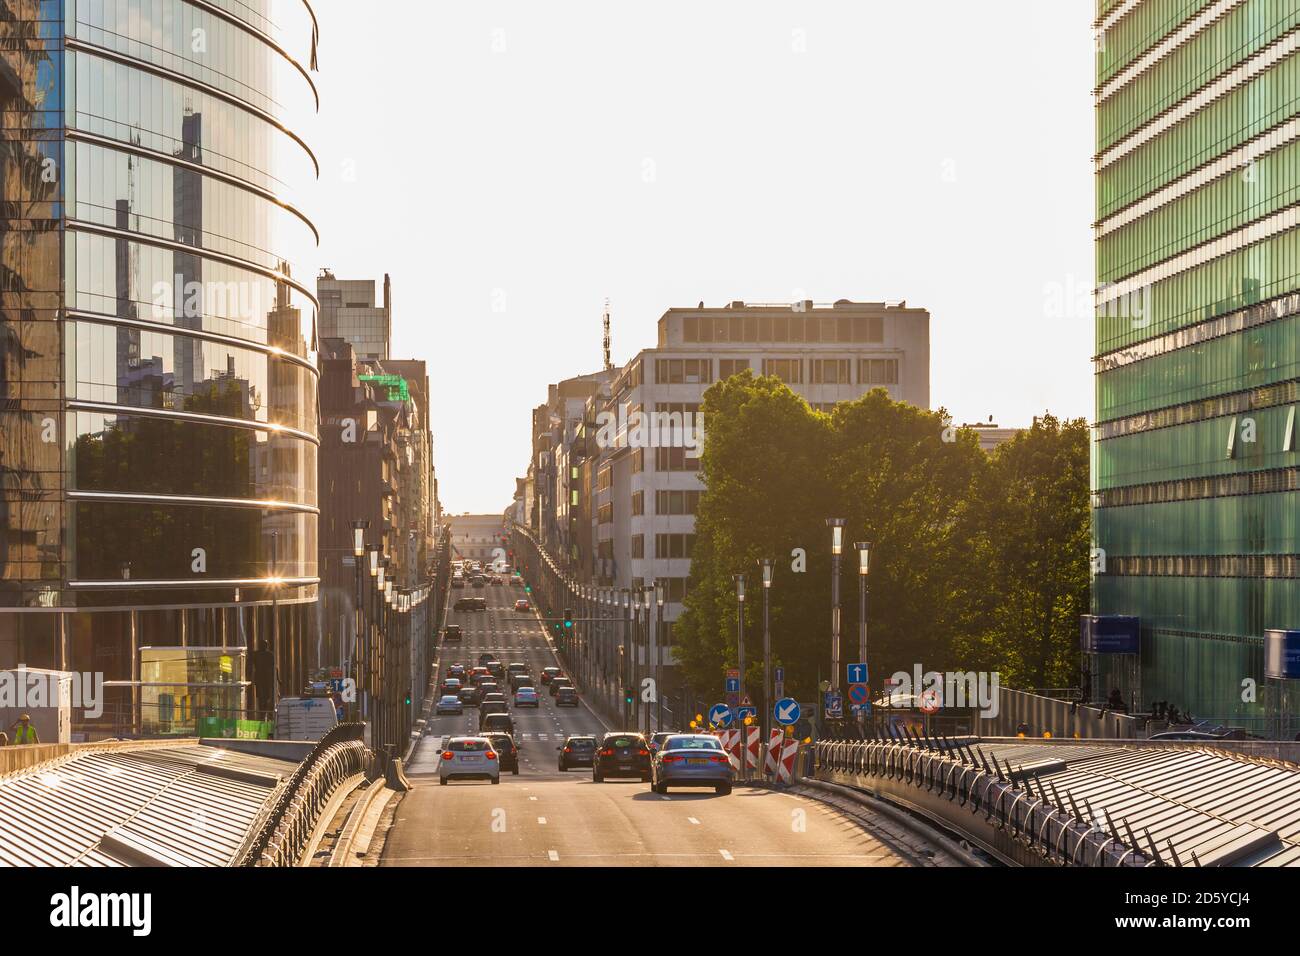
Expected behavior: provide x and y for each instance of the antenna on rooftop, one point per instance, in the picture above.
(605, 324)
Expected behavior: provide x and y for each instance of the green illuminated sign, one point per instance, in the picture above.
(396, 385)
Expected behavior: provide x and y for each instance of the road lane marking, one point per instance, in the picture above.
(542, 820)
(554, 857)
(693, 820)
(532, 798)
(726, 855)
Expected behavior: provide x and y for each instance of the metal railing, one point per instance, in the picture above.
(1009, 812)
(280, 835)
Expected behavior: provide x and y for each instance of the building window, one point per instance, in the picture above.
(674, 545)
(675, 588)
(638, 503)
(730, 367)
(831, 371)
(878, 371)
(787, 370)
(675, 459)
(638, 546)
(677, 502)
(696, 371)
(603, 480)
(638, 461)
(605, 513)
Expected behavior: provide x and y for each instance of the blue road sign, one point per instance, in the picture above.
(834, 704)
(743, 712)
(778, 673)
(786, 710)
(858, 694)
(858, 673)
(733, 685)
(720, 715)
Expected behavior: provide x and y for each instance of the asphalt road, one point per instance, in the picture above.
(543, 817)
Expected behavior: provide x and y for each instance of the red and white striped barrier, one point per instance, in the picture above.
(773, 757)
(731, 743)
(785, 767)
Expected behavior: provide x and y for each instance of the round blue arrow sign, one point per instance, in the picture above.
(786, 710)
(720, 715)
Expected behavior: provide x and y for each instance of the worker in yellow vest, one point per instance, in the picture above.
(24, 732)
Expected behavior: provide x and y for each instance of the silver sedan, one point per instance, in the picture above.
(471, 758)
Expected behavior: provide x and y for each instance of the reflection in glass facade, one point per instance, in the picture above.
(158, 436)
(1198, 265)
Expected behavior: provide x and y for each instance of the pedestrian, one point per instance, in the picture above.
(24, 732)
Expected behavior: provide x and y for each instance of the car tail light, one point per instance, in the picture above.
(447, 755)
(643, 753)
(491, 755)
(568, 750)
(718, 758)
(669, 758)
(607, 753)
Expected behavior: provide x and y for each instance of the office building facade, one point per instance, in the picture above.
(349, 311)
(1195, 480)
(158, 418)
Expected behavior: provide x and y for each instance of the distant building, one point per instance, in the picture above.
(478, 538)
(348, 311)
(990, 435)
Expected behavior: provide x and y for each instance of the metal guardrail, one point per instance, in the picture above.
(1009, 812)
(282, 833)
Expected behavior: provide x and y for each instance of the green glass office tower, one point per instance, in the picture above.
(1195, 474)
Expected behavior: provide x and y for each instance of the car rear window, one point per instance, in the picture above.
(692, 743)
(566, 692)
(582, 744)
(468, 746)
(450, 699)
(497, 720)
(622, 742)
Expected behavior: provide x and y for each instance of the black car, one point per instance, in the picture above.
(577, 751)
(489, 707)
(470, 604)
(470, 695)
(622, 755)
(496, 669)
(493, 697)
(566, 696)
(557, 682)
(452, 634)
(499, 722)
(485, 657)
(505, 747)
(521, 680)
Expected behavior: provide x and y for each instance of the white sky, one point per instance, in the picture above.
(493, 157)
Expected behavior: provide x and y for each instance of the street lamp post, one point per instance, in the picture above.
(358, 552)
(837, 546)
(864, 565)
(659, 653)
(626, 675)
(767, 565)
(740, 666)
(363, 674)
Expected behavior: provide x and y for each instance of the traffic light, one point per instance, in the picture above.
(528, 589)
(408, 700)
(628, 694)
(568, 618)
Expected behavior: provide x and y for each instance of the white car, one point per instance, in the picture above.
(470, 758)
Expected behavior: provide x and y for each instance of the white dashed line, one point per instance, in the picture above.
(532, 798)
(726, 855)
(554, 857)
(542, 820)
(693, 820)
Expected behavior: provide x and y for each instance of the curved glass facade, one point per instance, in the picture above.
(1198, 267)
(158, 389)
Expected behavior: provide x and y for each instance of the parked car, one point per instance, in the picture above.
(621, 755)
(566, 696)
(691, 760)
(450, 704)
(576, 751)
(469, 757)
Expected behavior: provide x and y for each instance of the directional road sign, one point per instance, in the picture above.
(720, 715)
(857, 673)
(786, 710)
(733, 685)
(742, 712)
(778, 679)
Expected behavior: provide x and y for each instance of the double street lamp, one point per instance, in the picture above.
(837, 547)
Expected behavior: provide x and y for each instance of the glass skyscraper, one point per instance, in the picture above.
(158, 436)
(1195, 475)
